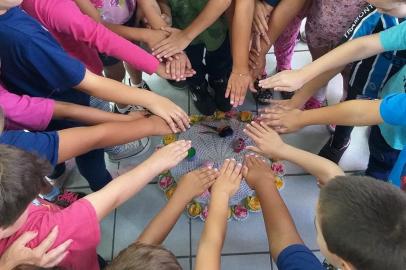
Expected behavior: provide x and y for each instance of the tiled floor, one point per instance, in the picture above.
(246, 243)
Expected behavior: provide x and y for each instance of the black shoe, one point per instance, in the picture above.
(202, 99)
(262, 96)
(179, 85)
(220, 86)
(287, 95)
(332, 153)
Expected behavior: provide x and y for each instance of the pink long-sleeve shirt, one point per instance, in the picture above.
(25, 112)
(83, 38)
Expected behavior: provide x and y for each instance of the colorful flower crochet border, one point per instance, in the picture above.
(167, 183)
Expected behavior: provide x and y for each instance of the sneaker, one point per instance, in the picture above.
(302, 36)
(66, 198)
(59, 178)
(202, 99)
(178, 85)
(331, 153)
(136, 148)
(220, 86)
(132, 108)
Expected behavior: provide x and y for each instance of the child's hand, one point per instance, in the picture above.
(154, 37)
(282, 119)
(196, 182)
(160, 126)
(261, 17)
(267, 141)
(18, 254)
(169, 156)
(176, 118)
(229, 178)
(287, 80)
(180, 67)
(237, 88)
(175, 43)
(256, 170)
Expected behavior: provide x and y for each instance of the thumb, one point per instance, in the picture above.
(25, 238)
(254, 149)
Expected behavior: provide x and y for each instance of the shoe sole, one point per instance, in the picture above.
(143, 151)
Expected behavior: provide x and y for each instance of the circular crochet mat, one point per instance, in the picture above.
(213, 149)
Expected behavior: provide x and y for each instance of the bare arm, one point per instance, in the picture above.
(127, 185)
(269, 143)
(111, 90)
(107, 134)
(191, 185)
(211, 241)
(85, 114)
(280, 228)
(152, 12)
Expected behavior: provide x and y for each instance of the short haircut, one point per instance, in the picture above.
(21, 178)
(139, 256)
(363, 221)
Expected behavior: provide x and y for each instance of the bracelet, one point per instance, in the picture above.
(240, 74)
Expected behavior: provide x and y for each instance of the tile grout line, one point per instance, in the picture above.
(114, 234)
(190, 244)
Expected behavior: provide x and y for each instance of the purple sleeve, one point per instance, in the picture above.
(25, 112)
(64, 16)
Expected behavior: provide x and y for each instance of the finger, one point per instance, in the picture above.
(168, 67)
(178, 67)
(224, 167)
(159, 47)
(237, 171)
(267, 39)
(259, 127)
(230, 168)
(254, 149)
(57, 260)
(182, 69)
(48, 241)
(54, 255)
(253, 129)
(171, 124)
(228, 90)
(25, 238)
(258, 42)
(184, 117)
(251, 134)
(171, 51)
(245, 171)
(179, 122)
(173, 70)
(263, 24)
(283, 88)
(161, 51)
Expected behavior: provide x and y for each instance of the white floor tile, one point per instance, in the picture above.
(134, 215)
(300, 195)
(245, 262)
(242, 237)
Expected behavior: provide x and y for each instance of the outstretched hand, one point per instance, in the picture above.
(175, 43)
(267, 141)
(237, 87)
(255, 170)
(282, 119)
(176, 118)
(170, 155)
(229, 179)
(287, 80)
(179, 67)
(196, 182)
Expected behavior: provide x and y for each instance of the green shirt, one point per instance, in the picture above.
(183, 14)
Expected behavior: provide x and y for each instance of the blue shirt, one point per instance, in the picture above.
(273, 3)
(298, 257)
(43, 144)
(33, 63)
(393, 112)
(394, 38)
(368, 76)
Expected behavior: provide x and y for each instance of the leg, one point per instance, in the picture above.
(382, 157)
(93, 167)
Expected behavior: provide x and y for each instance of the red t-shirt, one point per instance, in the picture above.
(77, 222)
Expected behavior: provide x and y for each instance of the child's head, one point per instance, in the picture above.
(21, 178)
(396, 8)
(7, 4)
(361, 224)
(139, 256)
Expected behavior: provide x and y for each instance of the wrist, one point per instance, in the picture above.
(218, 195)
(188, 34)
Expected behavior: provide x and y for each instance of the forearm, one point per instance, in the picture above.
(211, 12)
(211, 241)
(85, 114)
(321, 168)
(302, 95)
(152, 12)
(349, 52)
(123, 188)
(101, 136)
(349, 113)
(280, 228)
(280, 18)
(112, 90)
(241, 34)
(129, 33)
(159, 228)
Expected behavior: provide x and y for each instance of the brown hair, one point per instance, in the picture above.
(21, 178)
(139, 256)
(363, 221)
